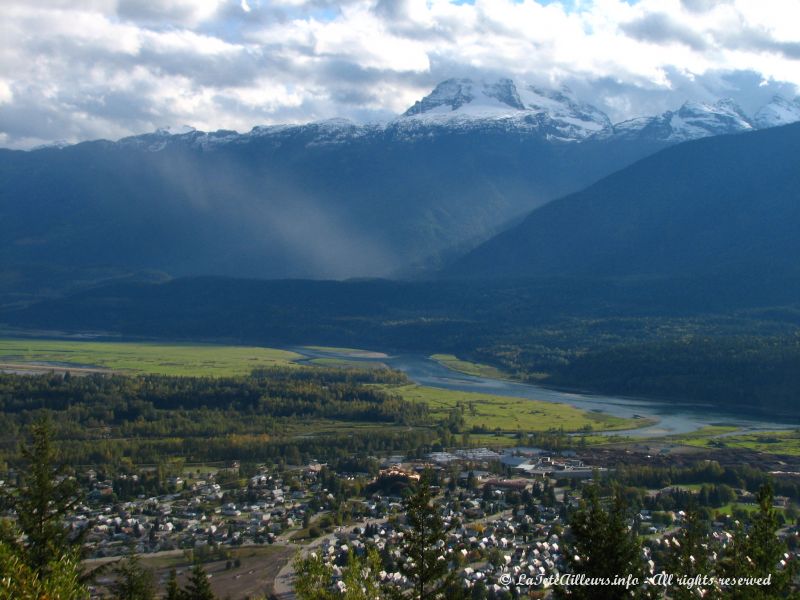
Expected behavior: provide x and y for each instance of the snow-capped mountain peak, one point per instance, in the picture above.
(726, 108)
(499, 106)
(469, 97)
(561, 104)
(693, 120)
(779, 111)
(700, 119)
(175, 130)
(465, 103)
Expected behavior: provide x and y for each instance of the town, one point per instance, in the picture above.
(504, 512)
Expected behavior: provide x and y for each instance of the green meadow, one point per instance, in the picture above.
(707, 432)
(469, 368)
(509, 414)
(785, 442)
(346, 363)
(145, 357)
(352, 352)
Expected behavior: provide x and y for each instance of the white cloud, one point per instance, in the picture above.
(362, 39)
(6, 93)
(183, 41)
(116, 67)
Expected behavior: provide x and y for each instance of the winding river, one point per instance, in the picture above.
(672, 418)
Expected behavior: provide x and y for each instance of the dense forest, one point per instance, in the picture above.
(289, 414)
(760, 374)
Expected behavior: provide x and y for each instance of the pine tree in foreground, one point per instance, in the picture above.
(756, 552)
(423, 554)
(59, 580)
(689, 559)
(313, 578)
(38, 559)
(604, 547)
(133, 580)
(198, 586)
(173, 591)
(44, 499)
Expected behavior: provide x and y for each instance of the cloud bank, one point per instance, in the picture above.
(75, 70)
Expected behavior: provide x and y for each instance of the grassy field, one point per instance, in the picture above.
(689, 487)
(701, 438)
(771, 442)
(511, 414)
(704, 433)
(151, 358)
(346, 364)
(470, 368)
(354, 352)
(727, 509)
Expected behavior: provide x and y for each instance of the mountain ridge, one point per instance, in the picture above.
(468, 104)
(719, 204)
(330, 199)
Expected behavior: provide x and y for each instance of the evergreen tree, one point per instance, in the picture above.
(479, 591)
(173, 591)
(134, 582)
(44, 499)
(313, 578)
(37, 558)
(603, 546)
(423, 557)
(59, 580)
(472, 482)
(689, 557)
(198, 587)
(757, 552)
(360, 577)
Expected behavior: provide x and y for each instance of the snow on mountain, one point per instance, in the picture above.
(699, 119)
(179, 130)
(465, 103)
(453, 105)
(468, 97)
(691, 121)
(329, 131)
(561, 107)
(779, 111)
(57, 145)
(165, 136)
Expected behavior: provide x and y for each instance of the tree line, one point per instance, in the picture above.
(100, 419)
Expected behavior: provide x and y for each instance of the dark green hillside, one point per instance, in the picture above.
(737, 371)
(424, 315)
(276, 205)
(726, 205)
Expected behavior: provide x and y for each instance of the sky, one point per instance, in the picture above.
(74, 70)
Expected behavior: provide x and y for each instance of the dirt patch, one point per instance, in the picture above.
(253, 578)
